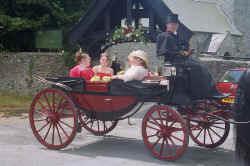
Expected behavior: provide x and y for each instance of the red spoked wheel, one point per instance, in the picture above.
(53, 118)
(96, 127)
(206, 130)
(164, 132)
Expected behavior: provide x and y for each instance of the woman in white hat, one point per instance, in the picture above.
(137, 60)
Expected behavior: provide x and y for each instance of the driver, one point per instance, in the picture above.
(201, 84)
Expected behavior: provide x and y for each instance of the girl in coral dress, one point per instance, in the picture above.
(82, 69)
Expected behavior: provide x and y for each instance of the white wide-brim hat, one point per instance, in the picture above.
(139, 54)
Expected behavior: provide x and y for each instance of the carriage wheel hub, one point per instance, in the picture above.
(166, 132)
(53, 117)
(205, 124)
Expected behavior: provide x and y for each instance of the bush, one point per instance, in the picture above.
(68, 59)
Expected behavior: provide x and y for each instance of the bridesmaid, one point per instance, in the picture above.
(103, 69)
(82, 69)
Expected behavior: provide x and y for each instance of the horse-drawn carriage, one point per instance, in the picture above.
(59, 112)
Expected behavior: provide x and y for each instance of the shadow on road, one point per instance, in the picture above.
(134, 149)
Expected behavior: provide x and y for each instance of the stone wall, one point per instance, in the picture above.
(16, 71)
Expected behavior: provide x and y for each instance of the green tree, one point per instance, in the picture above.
(20, 19)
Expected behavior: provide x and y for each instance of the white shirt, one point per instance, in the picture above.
(134, 73)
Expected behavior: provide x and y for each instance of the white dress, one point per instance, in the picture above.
(134, 73)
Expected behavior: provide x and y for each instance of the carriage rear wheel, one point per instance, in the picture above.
(205, 130)
(96, 127)
(164, 132)
(53, 118)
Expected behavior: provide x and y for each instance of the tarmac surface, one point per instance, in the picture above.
(122, 146)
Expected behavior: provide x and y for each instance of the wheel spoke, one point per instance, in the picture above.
(41, 112)
(168, 146)
(162, 146)
(159, 138)
(43, 106)
(62, 115)
(156, 123)
(59, 105)
(59, 135)
(177, 138)
(205, 135)
(152, 135)
(215, 133)
(66, 124)
(104, 126)
(199, 133)
(153, 128)
(176, 129)
(65, 133)
(160, 118)
(53, 134)
(172, 141)
(40, 120)
(98, 127)
(173, 123)
(53, 101)
(218, 127)
(153, 123)
(43, 127)
(47, 100)
(211, 138)
(47, 133)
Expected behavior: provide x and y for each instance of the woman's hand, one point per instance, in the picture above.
(187, 53)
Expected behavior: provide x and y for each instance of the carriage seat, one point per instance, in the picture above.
(135, 88)
(76, 84)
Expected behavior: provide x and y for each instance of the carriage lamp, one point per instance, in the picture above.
(168, 70)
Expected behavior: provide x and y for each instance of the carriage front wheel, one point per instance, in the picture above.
(53, 118)
(206, 130)
(164, 132)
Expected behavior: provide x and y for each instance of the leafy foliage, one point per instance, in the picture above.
(18, 17)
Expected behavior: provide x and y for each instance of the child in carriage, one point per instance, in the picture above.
(82, 69)
(137, 61)
(103, 70)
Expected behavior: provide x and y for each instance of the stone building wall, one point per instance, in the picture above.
(242, 22)
(237, 13)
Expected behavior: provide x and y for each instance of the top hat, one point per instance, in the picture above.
(172, 18)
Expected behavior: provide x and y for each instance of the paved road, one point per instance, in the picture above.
(123, 146)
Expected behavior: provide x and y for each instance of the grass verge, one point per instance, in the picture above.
(14, 105)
